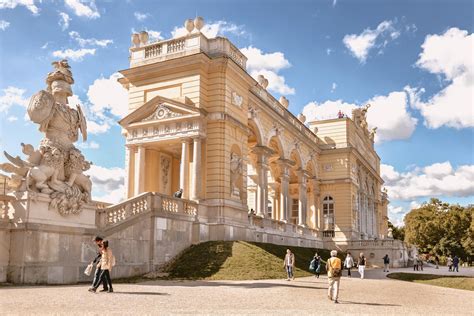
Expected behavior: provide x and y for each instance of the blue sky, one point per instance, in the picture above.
(412, 60)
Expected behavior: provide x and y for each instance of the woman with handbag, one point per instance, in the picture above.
(349, 263)
(107, 261)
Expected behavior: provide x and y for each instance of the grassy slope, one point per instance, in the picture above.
(228, 260)
(455, 282)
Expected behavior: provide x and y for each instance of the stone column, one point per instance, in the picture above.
(140, 170)
(184, 168)
(284, 191)
(196, 171)
(129, 166)
(262, 185)
(302, 204)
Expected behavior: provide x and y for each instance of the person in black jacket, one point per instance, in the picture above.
(98, 241)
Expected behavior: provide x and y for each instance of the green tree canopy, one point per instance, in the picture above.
(442, 229)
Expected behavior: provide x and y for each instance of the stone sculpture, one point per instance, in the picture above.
(56, 167)
(236, 170)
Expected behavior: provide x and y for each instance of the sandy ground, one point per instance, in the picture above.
(303, 296)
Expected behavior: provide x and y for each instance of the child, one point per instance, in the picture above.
(107, 261)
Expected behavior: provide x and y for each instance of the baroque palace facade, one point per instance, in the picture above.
(199, 122)
(247, 169)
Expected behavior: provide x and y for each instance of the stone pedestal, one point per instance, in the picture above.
(46, 247)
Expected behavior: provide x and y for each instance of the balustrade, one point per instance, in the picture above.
(153, 50)
(145, 202)
(175, 46)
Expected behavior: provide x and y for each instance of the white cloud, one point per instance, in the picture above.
(108, 95)
(12, 118)
(83, 8)
(436, 180)
(154, 35)
(268, 64)
(107, 101)
(88, 145)
(89, 41)
(141, 16)
(75, 55)
(360, 45)
(12, 96)
(390, 114)
(396, 214)
(334, 2)
(449, 55)
(333, 87)
(329, 51)
(4, 25)
(45, 45)
(12, 4)
(64, 20)
(107, 183)
(212, 30)
(97, 126)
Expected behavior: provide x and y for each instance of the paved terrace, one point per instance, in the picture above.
(304, 296)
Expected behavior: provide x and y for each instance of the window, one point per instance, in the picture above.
(328, 213)
(294, 211)
(269, 209)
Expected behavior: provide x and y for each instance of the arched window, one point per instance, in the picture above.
(328, 213)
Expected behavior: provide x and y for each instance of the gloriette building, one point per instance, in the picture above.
(199, 122)
(244, 166)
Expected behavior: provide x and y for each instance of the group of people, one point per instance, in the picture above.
(334, 268)
(453, 263)
(104, 262)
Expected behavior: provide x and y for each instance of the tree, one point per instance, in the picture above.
(442, 229)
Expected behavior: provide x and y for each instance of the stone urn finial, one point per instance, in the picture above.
(189, 25)
(284, 101)
(135, 39)
(302, 118)
(144, 37)
(198, 23)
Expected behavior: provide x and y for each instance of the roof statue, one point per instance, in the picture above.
(56, 166)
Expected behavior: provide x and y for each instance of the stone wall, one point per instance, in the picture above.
(144, 233)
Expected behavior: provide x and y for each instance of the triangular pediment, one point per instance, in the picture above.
(160, 109)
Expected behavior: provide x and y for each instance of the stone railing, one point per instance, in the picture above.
(372, 243)
(280, 226)
(186, 45)
(177, 206)
(329, 233)
(122, 211)
(145, 202)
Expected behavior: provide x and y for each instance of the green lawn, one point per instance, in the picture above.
(455, 282)
(238, 260)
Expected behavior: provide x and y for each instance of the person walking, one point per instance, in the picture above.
(334, 267)
(456, 263)
(361, 262)
(449, 262)
(415, 263)
(317, 265)
(386, 263)
(437, 262)
(289, 264)
(107, 261)
(98, 241)
(349, 263)
(420, 263)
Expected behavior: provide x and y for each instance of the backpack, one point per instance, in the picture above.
(312, 265)
(335, 272)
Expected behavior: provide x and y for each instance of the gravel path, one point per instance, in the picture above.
(304, 296)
